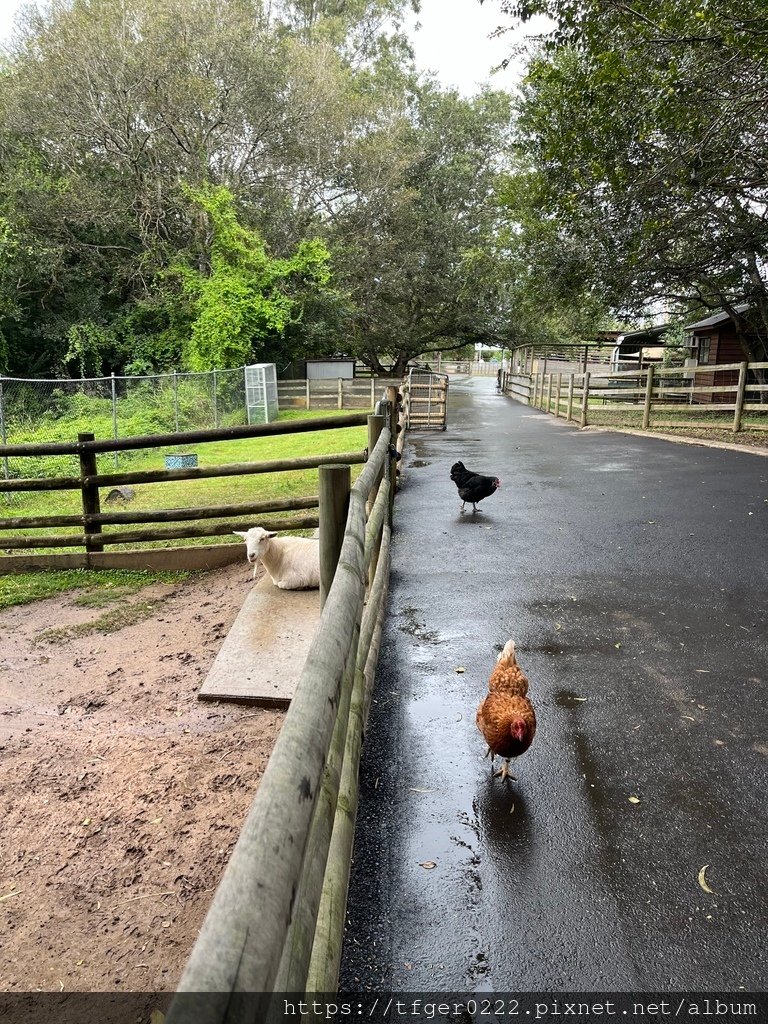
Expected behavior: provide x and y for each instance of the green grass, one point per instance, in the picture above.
(201, 492)
(106, 585)
(127, 614)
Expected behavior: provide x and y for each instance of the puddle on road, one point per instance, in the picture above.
(417, 629)
(612, 467)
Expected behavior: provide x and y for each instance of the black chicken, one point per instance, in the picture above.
(472, 486)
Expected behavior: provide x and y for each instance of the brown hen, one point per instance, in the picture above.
(506, 717)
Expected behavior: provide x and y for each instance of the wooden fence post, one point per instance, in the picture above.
(549, 392)
(392, 397)
(648, 397)
(90, 495)
(308, 397)
(584, 400)
(569, 407)
(375, 427)
(334, 487)
(373, 392)
(340, 395)
(740, 392)
(557, 394)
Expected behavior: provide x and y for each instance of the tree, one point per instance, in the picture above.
(648, 128)
(109, 106)
(419, 244)
(241, 300)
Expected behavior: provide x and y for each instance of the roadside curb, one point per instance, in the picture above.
(682, 440)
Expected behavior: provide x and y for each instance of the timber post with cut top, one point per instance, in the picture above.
(740, 392)
(334, 488)
(375, 427)
(584, 400)
(648, 397)
(90, 496)
(569, 407)
(392, 399)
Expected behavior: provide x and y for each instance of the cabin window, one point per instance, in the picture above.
(703, 345)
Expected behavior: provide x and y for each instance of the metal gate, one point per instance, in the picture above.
(426, 400)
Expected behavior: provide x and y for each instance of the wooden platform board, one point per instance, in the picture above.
(264, 652)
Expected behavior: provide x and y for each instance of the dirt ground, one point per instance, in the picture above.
(121, 795)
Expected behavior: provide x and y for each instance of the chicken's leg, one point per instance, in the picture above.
(504, 771)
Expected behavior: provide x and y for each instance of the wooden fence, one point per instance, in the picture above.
(650, 397)
(276, 921)
(93, 538)
(334, 393)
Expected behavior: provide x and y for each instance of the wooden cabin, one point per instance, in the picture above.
(713, 342)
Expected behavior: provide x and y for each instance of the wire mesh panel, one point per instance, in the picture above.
(35, 410)
(261, 392)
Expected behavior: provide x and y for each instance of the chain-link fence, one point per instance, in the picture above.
(113, 407)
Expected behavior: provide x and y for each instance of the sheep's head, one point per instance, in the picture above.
(255, 541)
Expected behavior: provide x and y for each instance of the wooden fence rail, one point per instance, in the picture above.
(276, 920)
(649, 393)
(332, 393)
(93, 538)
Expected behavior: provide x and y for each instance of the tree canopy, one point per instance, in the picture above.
(189, 183)
(647, 128)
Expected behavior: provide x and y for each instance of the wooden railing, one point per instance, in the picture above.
(277, 919)
(93, 538)
(658, 397)
(332, 393)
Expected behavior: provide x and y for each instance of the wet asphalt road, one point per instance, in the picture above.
(632, 574)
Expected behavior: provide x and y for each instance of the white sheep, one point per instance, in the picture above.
(293, 563)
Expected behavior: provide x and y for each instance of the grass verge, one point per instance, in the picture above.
(100, 587)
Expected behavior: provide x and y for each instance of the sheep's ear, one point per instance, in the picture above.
(271, 534)
(239, 533)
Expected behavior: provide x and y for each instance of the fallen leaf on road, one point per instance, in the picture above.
(703, 881)
(428, 864)
(634, 799)
(459, 668)
(579, 698)
(415, 789)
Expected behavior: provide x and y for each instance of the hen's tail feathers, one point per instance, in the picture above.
(508, 654)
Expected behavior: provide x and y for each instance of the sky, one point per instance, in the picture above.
(453, 42)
